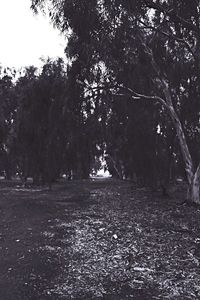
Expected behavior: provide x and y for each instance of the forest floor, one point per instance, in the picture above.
(97, 239)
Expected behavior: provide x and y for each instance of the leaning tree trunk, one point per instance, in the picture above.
(116, 168)
(193, 177)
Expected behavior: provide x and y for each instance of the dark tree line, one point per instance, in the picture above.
(45, 127)
(130, 92)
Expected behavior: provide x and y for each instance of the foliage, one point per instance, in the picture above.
(118, 53)
(137, 46)
(48, 127)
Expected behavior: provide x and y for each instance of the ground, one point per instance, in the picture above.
(97, 239)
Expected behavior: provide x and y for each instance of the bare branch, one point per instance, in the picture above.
(138, 96)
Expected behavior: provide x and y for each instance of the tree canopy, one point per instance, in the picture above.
(130, 92)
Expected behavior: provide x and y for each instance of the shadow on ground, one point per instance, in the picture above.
(99, 239)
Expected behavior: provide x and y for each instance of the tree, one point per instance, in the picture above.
(7, 119)
(53, 128)
(40, 126)
(151, 40)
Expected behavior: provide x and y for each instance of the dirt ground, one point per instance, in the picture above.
(97, 239)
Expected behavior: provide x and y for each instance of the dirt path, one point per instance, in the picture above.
(96, 240)
(31, 236)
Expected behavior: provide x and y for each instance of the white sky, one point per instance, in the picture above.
(24, 37)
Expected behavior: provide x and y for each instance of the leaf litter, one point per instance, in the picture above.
(122, 242)
(119, 243)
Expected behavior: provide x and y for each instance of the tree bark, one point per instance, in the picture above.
(194, 187)
(193, 177)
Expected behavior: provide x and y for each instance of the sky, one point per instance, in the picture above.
(25, 37)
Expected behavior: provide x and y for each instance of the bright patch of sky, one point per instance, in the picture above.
(103, 173)
(25, 37)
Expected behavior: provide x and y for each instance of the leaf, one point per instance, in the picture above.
(141, 269)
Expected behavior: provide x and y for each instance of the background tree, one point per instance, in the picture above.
(7, 119)
(40, 123)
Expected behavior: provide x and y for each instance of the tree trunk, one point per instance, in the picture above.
(116, 168)
(8, 174)
(7, 166)
(183, 143)
(168, 104)
(194, 187)
(193, 178)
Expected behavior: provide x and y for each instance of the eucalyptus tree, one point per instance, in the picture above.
(40, 126)
(85, 134)
(175, 61)
(150, 51)
(25, 126)
(7, 119)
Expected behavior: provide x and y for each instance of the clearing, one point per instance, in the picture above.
(97, 239)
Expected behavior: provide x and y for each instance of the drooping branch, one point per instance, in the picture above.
(166, 103)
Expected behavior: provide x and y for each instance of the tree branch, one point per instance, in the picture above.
(138, 96)
(171, 36)
(134, 95)
(172, 14)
